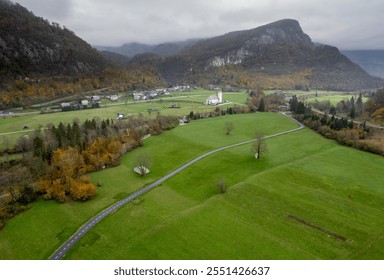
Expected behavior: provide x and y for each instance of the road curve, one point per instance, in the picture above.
(64, 248)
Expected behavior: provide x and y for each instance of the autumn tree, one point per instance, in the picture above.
(82, 189)
(64, 180)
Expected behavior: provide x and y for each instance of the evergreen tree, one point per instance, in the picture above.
(352, 113)
(359, 105)
(261, 107)
(38, 147)
(294, 104)
(301, 108)
(75, 140)
(332, 111)
(352, 110)
(61, 136)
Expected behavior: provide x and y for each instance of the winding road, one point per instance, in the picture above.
(64, 248)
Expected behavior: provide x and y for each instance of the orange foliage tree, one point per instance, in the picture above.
(65, 180)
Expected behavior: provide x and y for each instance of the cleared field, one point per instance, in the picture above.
(303, 175)
(334, 99)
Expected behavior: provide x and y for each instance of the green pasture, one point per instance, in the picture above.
(334, 99)
(12, 128)
(167, 155)
(302, 175)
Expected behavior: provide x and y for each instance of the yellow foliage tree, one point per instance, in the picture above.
(83, 189)
(65, 178)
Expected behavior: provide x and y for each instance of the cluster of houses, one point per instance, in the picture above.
(86, 103)
(151, 94)
(95, 101)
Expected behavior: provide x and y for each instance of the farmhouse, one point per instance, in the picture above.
(137, 96)
(120, 116)
(113, 98)
(84, 103)
(214, 99)
(95, 98)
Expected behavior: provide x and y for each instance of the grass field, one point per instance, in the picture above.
(328, 186)
(334, 99)
(12, 127)
(303, 175)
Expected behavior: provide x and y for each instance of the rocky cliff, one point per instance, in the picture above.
(277, 55)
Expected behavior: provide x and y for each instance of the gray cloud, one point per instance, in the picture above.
(54, 10)
(347, 24)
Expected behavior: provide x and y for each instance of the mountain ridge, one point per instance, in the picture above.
(278, 48)
(275, 55)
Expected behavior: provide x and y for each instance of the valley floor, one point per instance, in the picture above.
(302, 175)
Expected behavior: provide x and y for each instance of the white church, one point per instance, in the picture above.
(215, 99)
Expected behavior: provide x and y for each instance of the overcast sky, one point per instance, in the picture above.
(346, 24)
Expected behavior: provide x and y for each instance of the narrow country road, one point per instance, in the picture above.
(60, 252)
(356, 122)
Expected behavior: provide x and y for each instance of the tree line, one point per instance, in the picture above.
(55, 160)
(355, 108)
(258, 101)
(342, 129)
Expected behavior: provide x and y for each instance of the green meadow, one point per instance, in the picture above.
(12, 127)
(335, 98)
(307, 198)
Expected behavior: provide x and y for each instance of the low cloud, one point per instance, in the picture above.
(346, 24)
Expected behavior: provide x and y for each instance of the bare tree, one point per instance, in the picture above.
(228, 126)
(259, 147)
(222, 186)
(143, 162)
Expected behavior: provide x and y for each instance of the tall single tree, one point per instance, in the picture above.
(259, 147)
(261, 107)
(143, 162)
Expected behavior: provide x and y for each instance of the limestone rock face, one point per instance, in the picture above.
(278, 49)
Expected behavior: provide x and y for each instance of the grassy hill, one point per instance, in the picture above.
(324, 185)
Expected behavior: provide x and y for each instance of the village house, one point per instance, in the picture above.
(113, 98)
(95, 98)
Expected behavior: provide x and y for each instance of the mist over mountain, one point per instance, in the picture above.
(163, 49)
(371, 61)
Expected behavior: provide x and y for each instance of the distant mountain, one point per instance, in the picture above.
(32, 46)
(371, 61)
(278, 55)
(164, 49)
